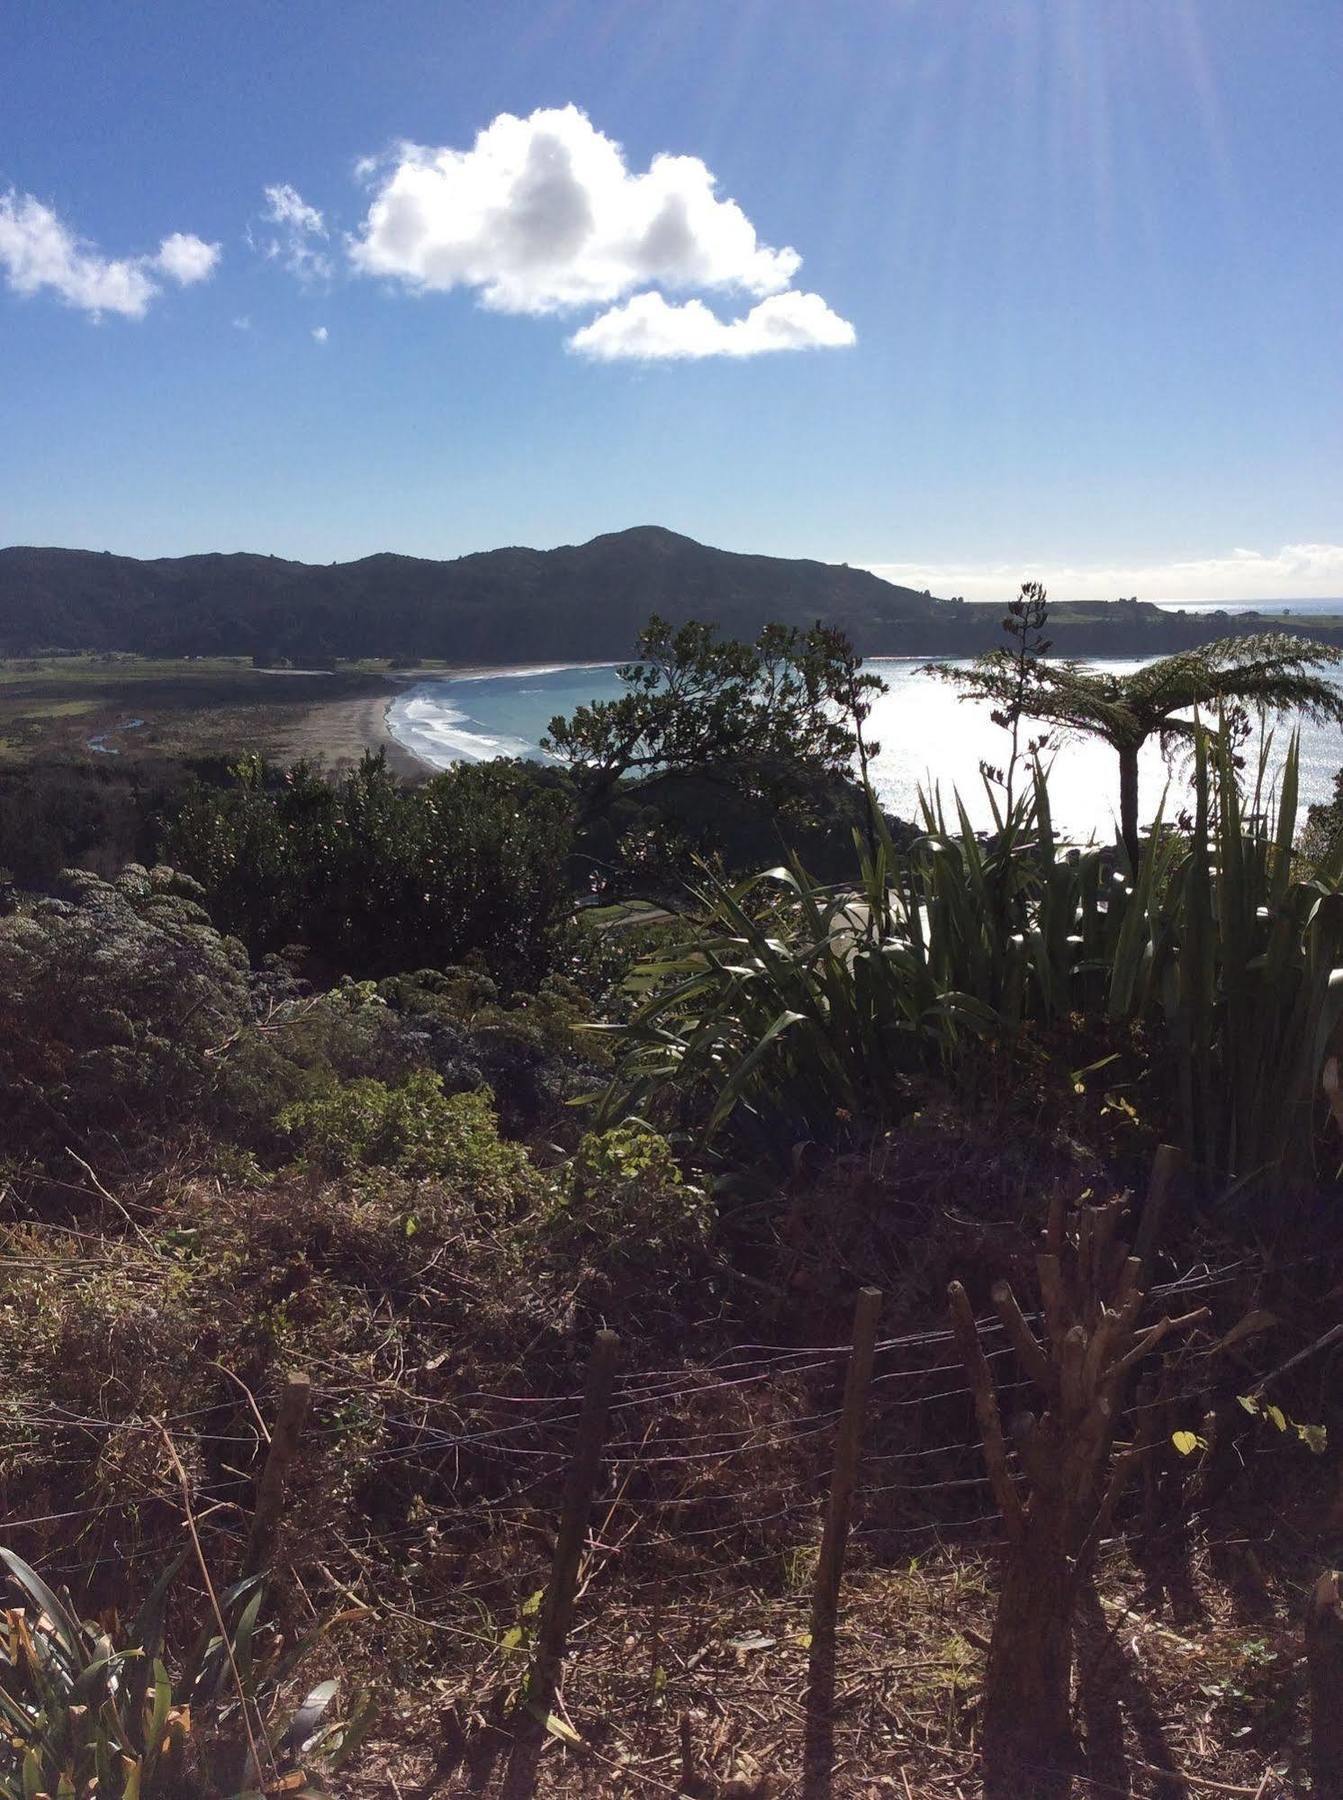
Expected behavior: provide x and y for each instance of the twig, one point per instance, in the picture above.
(215, 1608)
(986, 1408)
(251, 1397)
(112, 1200)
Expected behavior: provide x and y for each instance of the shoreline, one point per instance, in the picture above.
(338, 732)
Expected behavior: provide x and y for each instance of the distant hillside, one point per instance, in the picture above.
(579, 601)
(583, 602)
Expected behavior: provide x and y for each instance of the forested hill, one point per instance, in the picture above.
(586, 600)
(583, 601)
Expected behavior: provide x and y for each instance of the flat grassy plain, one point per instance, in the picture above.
(97, 706)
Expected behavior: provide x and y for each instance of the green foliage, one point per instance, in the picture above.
(414, 1129)
(375, 876)
(1272, 671)
(1241, 962)
(532, 1051)
(800, 1010)
(797, 1010)
(696, 701)
(88, 1710)
(1323, 833)
(55, 814)
(622, 1199)
(114, 1005)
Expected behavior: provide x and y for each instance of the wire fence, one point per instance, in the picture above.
(732, 1455)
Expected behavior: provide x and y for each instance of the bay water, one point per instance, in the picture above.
(929, 739)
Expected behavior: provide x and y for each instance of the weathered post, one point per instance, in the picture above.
(1057, 1504)
(558, 1606)
(1167, 1165)
(275, 1475)
(1324, 1660)
(818, 1752)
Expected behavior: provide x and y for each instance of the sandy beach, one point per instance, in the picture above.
(338, 732)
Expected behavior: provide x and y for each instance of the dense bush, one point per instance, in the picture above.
(375, 877)
(647, 838)
(621, 1199)
(97, 1712)
(100, 814)
(415, 1130)
(115, 1005)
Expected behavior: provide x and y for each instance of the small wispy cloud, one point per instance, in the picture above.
(39, 252)
(544, 215)
(292, 233)
(320, 334)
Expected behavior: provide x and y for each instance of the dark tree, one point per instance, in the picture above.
(695, 701)
(1270, 670)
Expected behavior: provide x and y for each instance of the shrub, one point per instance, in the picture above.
(799, 1012)
(88, 1711)
(114, 1005)
(621, 1200)
(414, 1129)
(533, 1052)
(374, 876)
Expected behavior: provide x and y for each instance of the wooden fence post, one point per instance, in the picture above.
(1167, 1166)
(274, 1477)
(1324, 1659)
(818, 1750)
(557, 1608)
(1082, 1362)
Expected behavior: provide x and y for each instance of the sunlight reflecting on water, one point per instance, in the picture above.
(927, 737)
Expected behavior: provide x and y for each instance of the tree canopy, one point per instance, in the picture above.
(696, 701)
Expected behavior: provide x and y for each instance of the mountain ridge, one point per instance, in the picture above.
(574, 600)
(574, 603)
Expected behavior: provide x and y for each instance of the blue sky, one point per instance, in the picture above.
(1068, 304)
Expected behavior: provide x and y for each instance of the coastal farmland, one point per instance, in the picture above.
(98, 705)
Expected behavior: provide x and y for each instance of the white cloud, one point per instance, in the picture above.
(648, 328)
(299, 230)
(320, 334)
(187, 259)
(242, 323)
(543, 215)
(39, 251)
(286, 206)
(1293, 572)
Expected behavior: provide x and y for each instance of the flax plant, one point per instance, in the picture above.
(800, 1011)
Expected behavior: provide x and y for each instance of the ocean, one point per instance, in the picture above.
(928, 737)
(1292, 609)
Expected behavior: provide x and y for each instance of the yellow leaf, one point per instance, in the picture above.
(556, 1726)
(1186, 1442)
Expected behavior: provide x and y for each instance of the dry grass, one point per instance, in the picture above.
(702, 1692)
(688, 1665)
